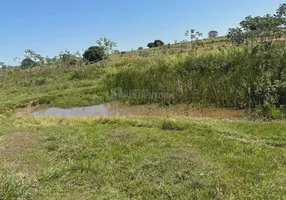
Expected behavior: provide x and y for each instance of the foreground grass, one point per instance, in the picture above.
(141, 158)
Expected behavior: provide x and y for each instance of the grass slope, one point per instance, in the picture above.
(141, 158)
(57, 86)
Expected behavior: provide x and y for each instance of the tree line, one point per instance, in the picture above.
(269, 27)
(262, 28)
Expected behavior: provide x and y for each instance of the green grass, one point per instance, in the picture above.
(56, 86)
(148, 157)
(141, 158)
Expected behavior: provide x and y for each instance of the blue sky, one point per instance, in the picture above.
(51, 26)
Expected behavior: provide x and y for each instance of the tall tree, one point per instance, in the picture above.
(194, 36)
(236, 36)
(34, 56)
(107, 44)
(281, 14)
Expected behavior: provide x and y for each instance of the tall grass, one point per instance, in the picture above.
(228, 77)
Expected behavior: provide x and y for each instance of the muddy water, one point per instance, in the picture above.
(117, 109)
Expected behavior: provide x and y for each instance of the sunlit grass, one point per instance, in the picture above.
(141, 158)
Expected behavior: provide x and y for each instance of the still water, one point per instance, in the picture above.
(97, 110)
(117, 109)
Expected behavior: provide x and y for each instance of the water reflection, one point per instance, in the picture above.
(97, 110)
(117, 109)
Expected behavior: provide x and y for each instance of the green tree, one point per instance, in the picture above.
(27, 63)
(37, 58)
(94, 54)
(140, 48)
(107, 45)
(193, 34)
(281, 14)
(2, 65)
(158, 43)
(195, 37)
(265, 28)
(151, 45)
(236, 36)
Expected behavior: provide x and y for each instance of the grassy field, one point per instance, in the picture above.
(147, 157)
(141, 158)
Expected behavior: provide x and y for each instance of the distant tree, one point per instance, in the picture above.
(151, 45)
(65, 57)
(281, 14)
(236, 36)
(68, 58)
(4, 67)
(194, 36)
(2, 64)
(37, 58)
(27, 63)
(107, 45)
(116, 52)
(140, 48)
(94, 54)
(122, 53)
(158, 43)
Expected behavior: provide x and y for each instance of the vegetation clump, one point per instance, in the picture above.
(94, 54)
(156, 43)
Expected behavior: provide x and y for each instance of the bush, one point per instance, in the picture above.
(94, 54)
(27, 63)
(140, 48)
(122, 53)
(156, 43)
(151, 45)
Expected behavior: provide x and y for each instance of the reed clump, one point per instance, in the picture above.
(228, 77)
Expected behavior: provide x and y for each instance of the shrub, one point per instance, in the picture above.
(27, 63)
(151, 45)
(156, 43)
(122, 53)
(94, 54)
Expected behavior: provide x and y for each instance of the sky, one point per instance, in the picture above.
(51, 26)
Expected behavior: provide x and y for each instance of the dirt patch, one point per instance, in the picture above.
(13, 148)
(18, 142)
(261, 142)
(120, 135)
(184, 155)
(24, 112)
(247, 140)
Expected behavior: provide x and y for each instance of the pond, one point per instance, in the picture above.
(118, 109)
